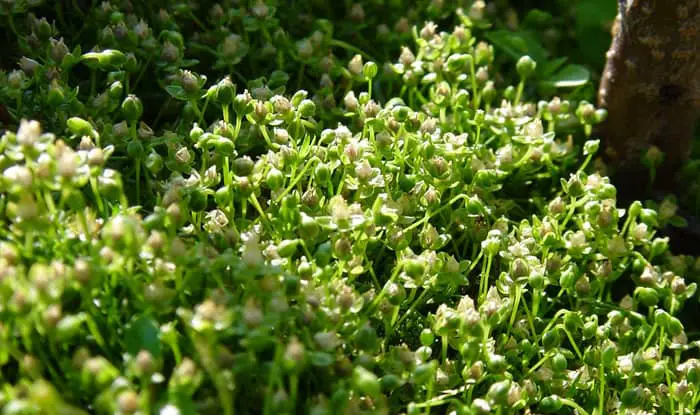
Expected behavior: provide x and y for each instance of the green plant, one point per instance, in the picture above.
(249, 208)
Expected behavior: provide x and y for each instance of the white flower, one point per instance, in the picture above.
(28, 133)
(19, 175)
(215, 220)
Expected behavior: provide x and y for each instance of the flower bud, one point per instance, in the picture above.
(169, 52)
(28, 65)
(128, 402)
(225, 91)
(369, 70)
(355, 66)
(483, 54)
(58, 50)
(106, 59)
(526, 66)
(132, 108)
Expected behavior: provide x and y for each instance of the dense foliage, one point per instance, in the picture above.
(278, 207)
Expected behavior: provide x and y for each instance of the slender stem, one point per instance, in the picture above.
(574, 405)
(519, 92)
(601, 390)
(351, 48)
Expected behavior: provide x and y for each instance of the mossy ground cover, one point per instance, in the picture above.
(281, 207)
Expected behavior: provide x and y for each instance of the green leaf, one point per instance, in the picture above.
(678, 222)
(143, 334)
(552, 66)
(537, 18)
(569, 77)
(593, 36)
(188, 63)
(517, 44)
(176, 92)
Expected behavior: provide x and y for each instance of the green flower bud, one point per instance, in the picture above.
(457, 63)
(43, 28)
(197, 200)
(498, 392)
(632, 397)
(369, 70)
(496, 363)
(56, 94)
(154, 162)
(414, 268)
(224, 146)
(69, 327)
(551, 404)
(274, 179)
(526, 66)
(591, 147)
(116, 89)
(573, 186)
(322, 174)
(223, 196)
(659, 246)
(225, 91)
(309, 228)
(423, 373)
(196, 133)
(307, 108)
(243, 166)
(79, 127)
(287, 248)
(243, 104)
(323, 254)
(559, 363)
(674, 326)
(509, 93)
(135, 149)
(536, 281)
(342, 248)
(427, 337)
(608, 354)
(649, 217)
(600, 115)
(483, 54)
(366, 338)
(366, 382)
(586, 113)
(132, 108)
(407, 182)
(647, 296)
(489, 92)
(551, 339)
(656, 373)
(131, 65)
(106, 59)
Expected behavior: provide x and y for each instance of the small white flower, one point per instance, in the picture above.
(215, 220)
(28, 133)
(19, 175)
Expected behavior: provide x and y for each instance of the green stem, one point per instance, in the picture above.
(483, 284)
(413, 306)
(572, 404)
(516, 305)
(225, 109)
(351, 48)
(519, 92)
(537, 365)
(601, 390)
